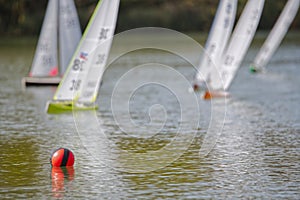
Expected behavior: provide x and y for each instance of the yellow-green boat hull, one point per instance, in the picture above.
(57, 107)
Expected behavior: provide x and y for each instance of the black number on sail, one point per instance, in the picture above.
(212, 48)
(44, 47)
(253, 18)
(70, 23)
(47, 60)
(75, 85)
(224, 75)
(103, 33)
(77, 65)
(229, 60)
(101, 58)
(228, 8)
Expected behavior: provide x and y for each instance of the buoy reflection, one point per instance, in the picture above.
(62, 178)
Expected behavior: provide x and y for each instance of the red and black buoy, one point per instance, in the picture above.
(62, 157)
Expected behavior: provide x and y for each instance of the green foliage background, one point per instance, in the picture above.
(24, 17)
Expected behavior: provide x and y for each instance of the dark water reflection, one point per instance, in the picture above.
(256, 156)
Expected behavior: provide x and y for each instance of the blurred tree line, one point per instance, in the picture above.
(24, 17)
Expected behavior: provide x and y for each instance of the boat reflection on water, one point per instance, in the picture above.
(62, 178)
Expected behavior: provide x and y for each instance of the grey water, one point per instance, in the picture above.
(145, 139)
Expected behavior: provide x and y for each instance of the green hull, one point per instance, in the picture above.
(253, 69)
(58, 107)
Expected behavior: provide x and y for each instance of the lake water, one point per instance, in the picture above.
(146, 139)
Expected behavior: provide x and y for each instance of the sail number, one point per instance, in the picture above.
(69, 21)
(101, 59)
(75, 85)
(103, 33)
(227, 18)
(229, 60)
(254, 17)
(77, 65)
(47, 60)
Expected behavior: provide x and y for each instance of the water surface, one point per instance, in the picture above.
(256, 156)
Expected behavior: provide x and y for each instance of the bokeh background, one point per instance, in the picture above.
(24, 17)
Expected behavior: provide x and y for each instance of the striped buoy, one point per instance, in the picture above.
(62, 157)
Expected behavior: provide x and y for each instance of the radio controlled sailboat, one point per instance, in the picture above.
(60, 21)
(276, 36)
(79, 87)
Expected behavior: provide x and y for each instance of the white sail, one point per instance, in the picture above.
(69, 32)
(240, 41)
(61, 20)
(82, 78)
(217, 40)
(276, 35)
(45, 60)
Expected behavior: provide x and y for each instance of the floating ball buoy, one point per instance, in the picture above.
(62, 157)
